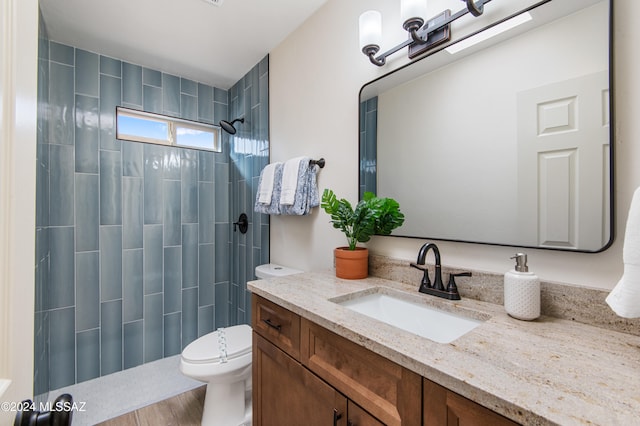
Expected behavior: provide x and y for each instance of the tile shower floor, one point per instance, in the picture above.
(115, 394)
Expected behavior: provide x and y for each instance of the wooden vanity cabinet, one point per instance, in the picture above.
(443, 407)
(304, 374)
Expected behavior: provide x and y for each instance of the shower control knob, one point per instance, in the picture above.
(242, 223)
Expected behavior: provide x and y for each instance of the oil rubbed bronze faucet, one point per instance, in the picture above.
(437, 289)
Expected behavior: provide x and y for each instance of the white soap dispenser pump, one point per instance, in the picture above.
(522, 291)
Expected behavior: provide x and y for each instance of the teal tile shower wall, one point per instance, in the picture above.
(136, 252)
(249, 151)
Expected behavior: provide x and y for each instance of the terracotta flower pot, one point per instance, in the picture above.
(352, 264)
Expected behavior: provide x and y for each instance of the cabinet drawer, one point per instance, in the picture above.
(388, 391)
(276, 324)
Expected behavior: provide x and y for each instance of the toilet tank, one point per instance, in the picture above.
(271, 270)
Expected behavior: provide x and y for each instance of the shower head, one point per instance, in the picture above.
(228, 126)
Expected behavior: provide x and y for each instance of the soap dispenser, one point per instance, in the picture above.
(522, 291)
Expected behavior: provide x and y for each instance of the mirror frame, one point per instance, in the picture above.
(404, 68)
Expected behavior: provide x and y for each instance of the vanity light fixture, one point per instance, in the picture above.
(422, 36)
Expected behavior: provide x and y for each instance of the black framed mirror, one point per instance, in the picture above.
(505, 142)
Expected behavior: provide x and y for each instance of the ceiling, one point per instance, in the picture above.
(195, 39)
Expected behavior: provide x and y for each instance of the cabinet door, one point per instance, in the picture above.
(358, 417)
(443, 407)
(388, 391)
(287, 394)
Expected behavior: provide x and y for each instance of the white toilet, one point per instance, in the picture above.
(271, 270)
(222, 359)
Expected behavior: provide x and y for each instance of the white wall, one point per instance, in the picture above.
(18, 79)
(316, 75)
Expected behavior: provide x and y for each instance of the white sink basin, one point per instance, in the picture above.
(434, 324)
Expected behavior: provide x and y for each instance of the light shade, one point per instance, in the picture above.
(370, 28)
(413, 9)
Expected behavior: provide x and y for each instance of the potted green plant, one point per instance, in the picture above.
(371, 216)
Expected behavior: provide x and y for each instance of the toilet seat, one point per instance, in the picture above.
(210, 347)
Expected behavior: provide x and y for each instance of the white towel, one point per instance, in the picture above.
(265, 190)
(274, 206)
(290, 180)
(624, 299)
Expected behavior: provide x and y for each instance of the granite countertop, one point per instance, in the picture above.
(548, 371)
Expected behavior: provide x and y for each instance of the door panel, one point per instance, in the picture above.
(562, 138)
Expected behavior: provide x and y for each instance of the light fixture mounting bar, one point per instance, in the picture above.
(434, 32)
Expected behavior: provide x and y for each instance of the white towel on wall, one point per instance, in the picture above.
(624, 299)
(265, 190)
(290, 180)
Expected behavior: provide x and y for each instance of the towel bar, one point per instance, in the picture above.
(319, 162)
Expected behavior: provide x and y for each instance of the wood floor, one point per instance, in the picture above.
(183, 410)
